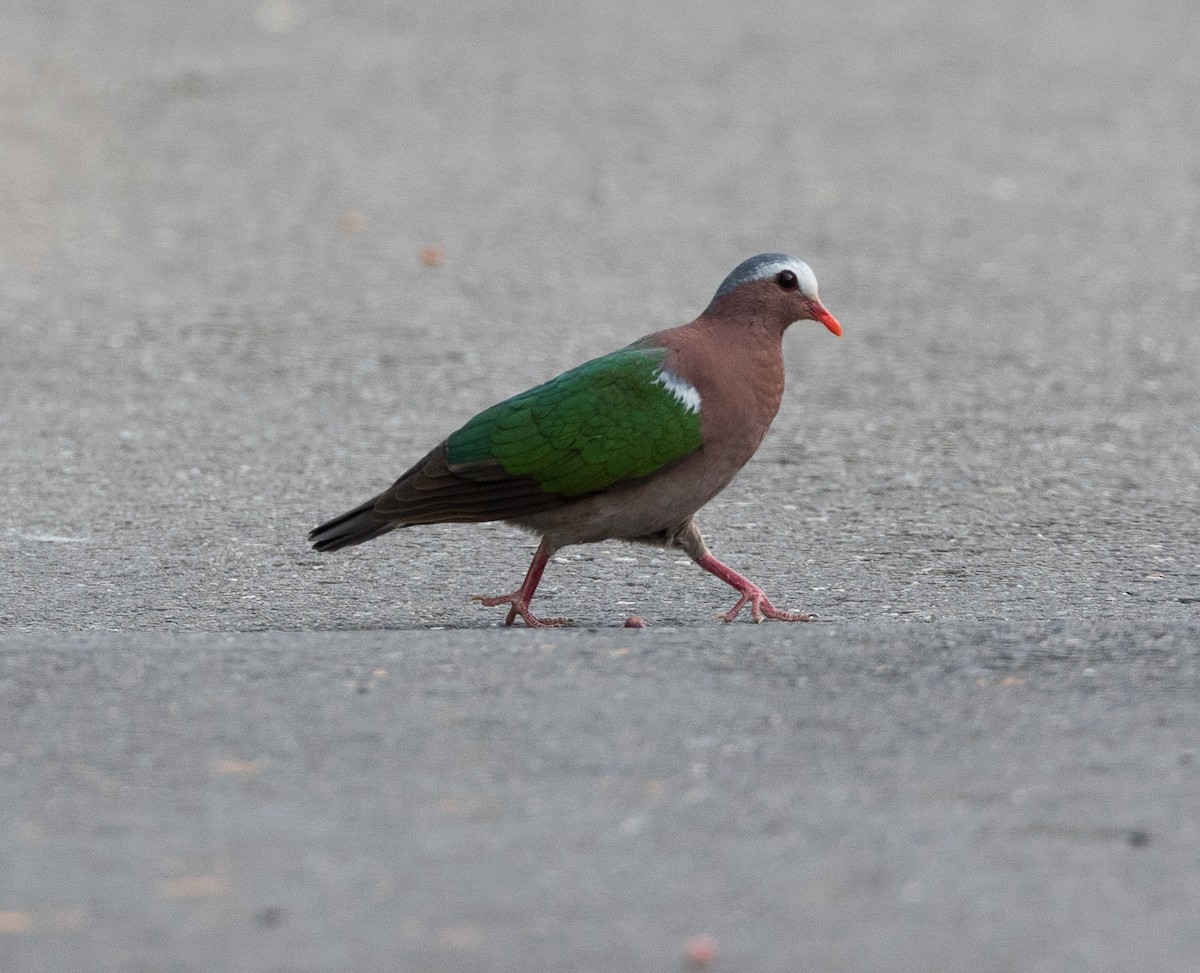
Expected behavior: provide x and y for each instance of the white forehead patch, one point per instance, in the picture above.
(765, 266)
(684, 392)
(804, 275)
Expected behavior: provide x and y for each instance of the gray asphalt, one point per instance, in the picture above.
(221, 751)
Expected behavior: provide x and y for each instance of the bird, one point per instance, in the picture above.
(627, 446)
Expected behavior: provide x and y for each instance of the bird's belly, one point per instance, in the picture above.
(638, 511)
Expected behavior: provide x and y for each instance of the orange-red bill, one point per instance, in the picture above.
(827, 319)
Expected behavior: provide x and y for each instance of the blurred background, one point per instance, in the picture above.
(257, 256)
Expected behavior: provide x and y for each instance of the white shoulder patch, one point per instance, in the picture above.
(684, 392)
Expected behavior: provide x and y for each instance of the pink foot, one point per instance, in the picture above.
(761, 608)
(760, 604)
(520, 606)
(519, 600)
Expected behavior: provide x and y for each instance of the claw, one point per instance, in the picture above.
(519, 600)
(762, 609)
(760, 605)
(519, 606)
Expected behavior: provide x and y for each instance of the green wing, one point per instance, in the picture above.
(615, 418)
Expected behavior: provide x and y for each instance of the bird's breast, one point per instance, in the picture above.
(738, 401)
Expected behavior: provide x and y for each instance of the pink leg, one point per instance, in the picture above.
(519, 600)
(760, 605)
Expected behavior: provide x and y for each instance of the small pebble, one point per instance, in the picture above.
(634, 621)
(432, 256)
(700, 951)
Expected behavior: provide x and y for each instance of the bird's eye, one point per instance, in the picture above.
(787, 280)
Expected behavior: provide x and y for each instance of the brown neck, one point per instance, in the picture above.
(737, 367)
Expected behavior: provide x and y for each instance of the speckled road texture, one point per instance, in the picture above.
(219, 750)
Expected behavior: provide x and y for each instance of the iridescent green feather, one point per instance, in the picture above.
(609, 420)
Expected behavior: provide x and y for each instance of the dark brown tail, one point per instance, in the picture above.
(433, 492)
(353, 527)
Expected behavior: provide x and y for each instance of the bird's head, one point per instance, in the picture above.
(775, 285)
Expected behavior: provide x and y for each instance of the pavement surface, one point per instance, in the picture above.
(255, 258)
